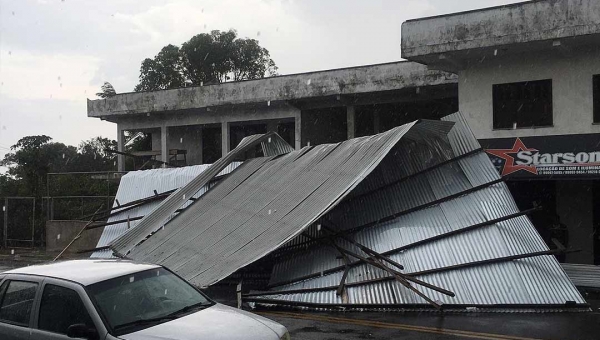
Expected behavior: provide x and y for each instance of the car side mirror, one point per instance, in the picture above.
(80, 330)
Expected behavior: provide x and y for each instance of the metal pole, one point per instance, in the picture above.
(33, 226)
(107, 190)
(47, 197)
(5, 221)
(78, 235)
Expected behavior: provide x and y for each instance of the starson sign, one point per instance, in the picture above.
(564, 156)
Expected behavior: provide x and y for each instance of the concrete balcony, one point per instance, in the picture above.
(450, 41)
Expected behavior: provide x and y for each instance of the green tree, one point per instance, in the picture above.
(107, 90)
(9, 186)
(206, 58)
(163, 72)
(92, 155)
(32, 158)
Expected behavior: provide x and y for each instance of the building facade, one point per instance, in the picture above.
(529, 85)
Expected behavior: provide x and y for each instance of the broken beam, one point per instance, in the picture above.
(424, 272)
(405, 212)
(411, 245)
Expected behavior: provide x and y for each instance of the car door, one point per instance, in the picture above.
(62, 304)
(18, 294)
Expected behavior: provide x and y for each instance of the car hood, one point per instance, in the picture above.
(215, 322)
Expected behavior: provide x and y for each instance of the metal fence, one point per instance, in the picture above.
(73, 195)
(19, 222)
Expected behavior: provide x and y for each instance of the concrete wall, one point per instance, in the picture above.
(571, 76)
(503, 25)
(574, 205)
(60, 233)
(363, 79)
(215, 115)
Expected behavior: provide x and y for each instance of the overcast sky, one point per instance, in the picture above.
(56, 53)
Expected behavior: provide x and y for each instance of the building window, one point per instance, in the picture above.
(596, 98)
(523, 105)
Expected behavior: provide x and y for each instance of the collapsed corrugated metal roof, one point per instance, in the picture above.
(363, 223)
(453, 225)
(585, 276)
(138, 185)
(272, 145)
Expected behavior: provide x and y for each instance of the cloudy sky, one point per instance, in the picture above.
(55, 54)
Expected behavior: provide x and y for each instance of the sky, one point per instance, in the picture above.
(55, 54)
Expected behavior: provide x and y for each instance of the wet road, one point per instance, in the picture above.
(498, 326)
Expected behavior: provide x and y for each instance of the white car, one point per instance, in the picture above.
(115, 299)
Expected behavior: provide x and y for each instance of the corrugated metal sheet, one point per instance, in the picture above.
(267, 201)
(272, 144)
(583, 275)
(529, 281)
(137, 185)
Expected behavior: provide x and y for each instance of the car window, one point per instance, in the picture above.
(17, 302)
(60, 308)
(142, 296)
(2, 288)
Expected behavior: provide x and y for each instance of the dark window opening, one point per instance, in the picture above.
(211, 144)
(17, 302)
(239, 132)
(324, 125)
(596, 95)
(287, 131)
(61, 308)
(522, 105)
(376, 118)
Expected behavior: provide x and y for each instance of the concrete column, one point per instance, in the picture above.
(224, 138)
(298, 130)
(574, 206)
(120, 148)
(200, 145)
(350, 115)
(164, 147)
(376, 124)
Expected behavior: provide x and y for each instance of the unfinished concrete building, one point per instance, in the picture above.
(197, 125)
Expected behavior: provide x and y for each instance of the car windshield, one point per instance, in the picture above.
(144, 299)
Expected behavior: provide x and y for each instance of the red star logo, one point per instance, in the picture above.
(509, 161)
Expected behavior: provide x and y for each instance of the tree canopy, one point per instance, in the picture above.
(33, 157)
(207, 58)
(106, 90)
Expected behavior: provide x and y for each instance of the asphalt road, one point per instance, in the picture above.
(497, 326)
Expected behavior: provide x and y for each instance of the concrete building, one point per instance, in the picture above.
(529, 85)
(310, 108)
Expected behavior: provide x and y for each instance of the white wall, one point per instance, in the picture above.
(571, 73)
